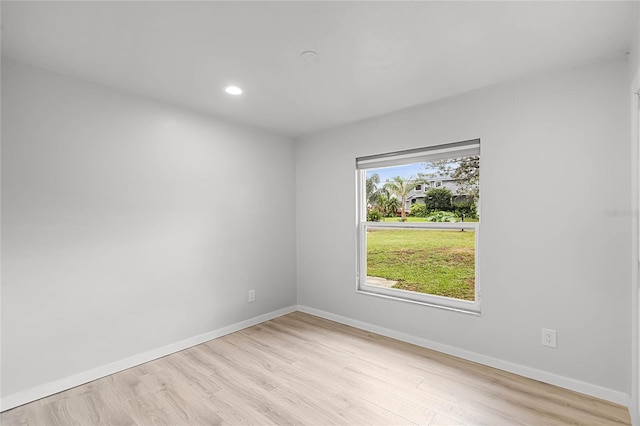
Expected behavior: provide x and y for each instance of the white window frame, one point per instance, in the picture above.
(459, 149)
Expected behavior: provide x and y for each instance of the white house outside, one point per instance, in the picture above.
(419, 193)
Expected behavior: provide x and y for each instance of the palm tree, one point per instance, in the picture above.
(372, 188)
(381, 202)
(393, 204)
(400, 187)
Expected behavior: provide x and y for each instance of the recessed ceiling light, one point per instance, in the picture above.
(233, 90)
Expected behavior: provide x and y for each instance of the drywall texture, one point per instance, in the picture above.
(128, 225)
(555, 233)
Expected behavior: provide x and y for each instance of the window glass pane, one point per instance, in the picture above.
(395, 192)
(439, 262)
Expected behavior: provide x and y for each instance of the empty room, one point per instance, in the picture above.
(320, 212)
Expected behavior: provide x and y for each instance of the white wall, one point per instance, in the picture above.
(117, 230)
(634, 102)
(555, 159)
(634, 77)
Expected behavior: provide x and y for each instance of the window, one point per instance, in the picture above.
(425, 253)
(438, 184)
(418, 187)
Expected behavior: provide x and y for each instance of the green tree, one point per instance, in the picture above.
(381, 201)
(438, 199)
(418, 210)
(393, 205)
(374, 216)
(372, 189)
(465, 208)
(400, 187)
(465, 171)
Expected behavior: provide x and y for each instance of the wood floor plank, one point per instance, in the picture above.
(371, 389)
(185, 371)
(31, 414)
(92, 407)
(149, 409)
(252, 366)
(261, 343)
(125, 384)
(233, 407)
(318, 406)
(440, 420)
(360, 411)
(304, 370)
(189, 410)
(392, 402)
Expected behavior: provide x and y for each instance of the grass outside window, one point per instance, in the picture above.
(432, 261)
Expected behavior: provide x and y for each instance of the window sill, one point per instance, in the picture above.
(439, 302)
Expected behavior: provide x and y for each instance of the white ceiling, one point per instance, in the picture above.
(373, 57)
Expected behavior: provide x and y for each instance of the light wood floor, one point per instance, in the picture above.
(300, 369)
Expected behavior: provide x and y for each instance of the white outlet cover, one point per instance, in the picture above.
(549, 338)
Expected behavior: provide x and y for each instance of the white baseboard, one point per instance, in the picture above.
(532, 373)
(29, 395)
(24, 397)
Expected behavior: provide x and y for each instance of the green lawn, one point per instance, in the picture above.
(440, 262)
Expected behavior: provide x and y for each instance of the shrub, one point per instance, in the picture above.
(466, 208)
(374, 216)
(441, 216)
(418, 210)
(438, 199)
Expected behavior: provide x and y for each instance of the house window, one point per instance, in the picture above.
(427, 255)
(418, 187)
(438, 184)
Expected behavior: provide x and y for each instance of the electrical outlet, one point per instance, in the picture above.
(549, 338)
(252, 295)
